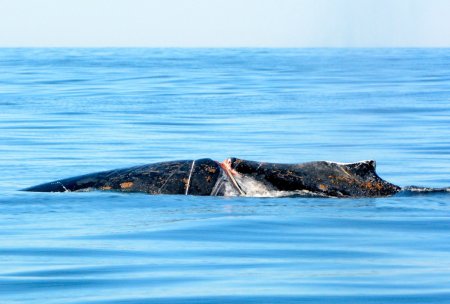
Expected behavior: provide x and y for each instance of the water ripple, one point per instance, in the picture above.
(71, 111)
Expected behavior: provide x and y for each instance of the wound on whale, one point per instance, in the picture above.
(234, 177)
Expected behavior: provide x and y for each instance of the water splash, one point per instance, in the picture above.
(423, 190)
(254, 188)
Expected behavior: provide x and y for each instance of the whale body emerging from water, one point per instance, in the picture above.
(235, 177)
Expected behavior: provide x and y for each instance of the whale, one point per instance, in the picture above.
(234, 177)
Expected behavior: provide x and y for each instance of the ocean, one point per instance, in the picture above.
(71, 111)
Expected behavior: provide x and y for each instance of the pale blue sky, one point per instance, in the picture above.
(225, 23)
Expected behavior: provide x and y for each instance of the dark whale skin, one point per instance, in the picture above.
(208, 177)
(320, 177)
(175, 177)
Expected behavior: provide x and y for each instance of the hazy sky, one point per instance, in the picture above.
(225, 23)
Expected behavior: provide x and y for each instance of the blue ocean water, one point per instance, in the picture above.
(65, 112)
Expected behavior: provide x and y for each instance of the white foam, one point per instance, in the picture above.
(425, 189)
(254, 188)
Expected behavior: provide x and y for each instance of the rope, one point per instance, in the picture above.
(189, 178)
(227, 169)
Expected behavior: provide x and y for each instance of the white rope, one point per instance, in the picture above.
(65, 189)
(189, 178)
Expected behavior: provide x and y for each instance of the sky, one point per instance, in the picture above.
(225, 23)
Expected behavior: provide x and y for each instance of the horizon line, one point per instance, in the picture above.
(218, 47)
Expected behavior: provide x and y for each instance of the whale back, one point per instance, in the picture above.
(206, 177)
(321, 177)
(176, 177)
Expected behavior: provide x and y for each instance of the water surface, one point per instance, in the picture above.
(65, 112)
